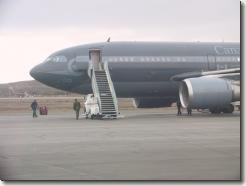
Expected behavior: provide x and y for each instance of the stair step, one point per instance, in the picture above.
(105, 93)
(104, 90)
(103, 86)
(109, 113)
(107, 88)
(104, 75)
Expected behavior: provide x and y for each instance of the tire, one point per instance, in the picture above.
(229, 109)
(215, 110)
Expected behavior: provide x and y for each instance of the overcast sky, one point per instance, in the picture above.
(30, 30)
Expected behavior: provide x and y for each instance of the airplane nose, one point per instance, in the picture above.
(38, 72)
(34, 72)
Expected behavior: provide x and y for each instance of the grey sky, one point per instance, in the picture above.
(43, 26)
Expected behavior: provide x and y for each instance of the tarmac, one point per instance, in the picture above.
(144, 144)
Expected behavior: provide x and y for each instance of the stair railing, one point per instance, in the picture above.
(111, 86)
(95, 89)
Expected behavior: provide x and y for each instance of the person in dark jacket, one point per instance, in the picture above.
(179, 107)
(34, 107)
(76, 108)
(189, 111)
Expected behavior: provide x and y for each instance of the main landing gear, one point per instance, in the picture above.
(227, 110)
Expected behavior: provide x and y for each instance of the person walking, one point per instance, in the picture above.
(76, 108)
(34, 107)
(189, 111)
(179, 108)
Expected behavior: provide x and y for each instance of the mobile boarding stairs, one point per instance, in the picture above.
(102, 86)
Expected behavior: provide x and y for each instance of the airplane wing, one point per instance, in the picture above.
(232, 74)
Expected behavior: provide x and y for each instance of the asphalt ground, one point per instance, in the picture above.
(144, 144)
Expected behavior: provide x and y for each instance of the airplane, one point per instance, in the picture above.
(154, 74)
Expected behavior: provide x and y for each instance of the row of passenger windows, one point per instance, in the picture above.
(171, 59)
(227, 59)
(57, 59)
(155, 59)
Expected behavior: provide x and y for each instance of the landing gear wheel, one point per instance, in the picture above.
(229, 109)
(215, 110)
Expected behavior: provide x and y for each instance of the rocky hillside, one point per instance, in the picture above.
(28, 88)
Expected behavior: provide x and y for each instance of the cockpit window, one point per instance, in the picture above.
(56, 59)
(48, 59)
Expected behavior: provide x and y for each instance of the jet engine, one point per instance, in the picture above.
(152, 102)
(208, 92)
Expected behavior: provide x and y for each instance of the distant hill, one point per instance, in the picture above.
(28, 88)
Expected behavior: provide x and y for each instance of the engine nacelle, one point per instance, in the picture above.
(208, 92)
(152, 102)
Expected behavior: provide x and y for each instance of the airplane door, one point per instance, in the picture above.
(211, 62)
(95, 58)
